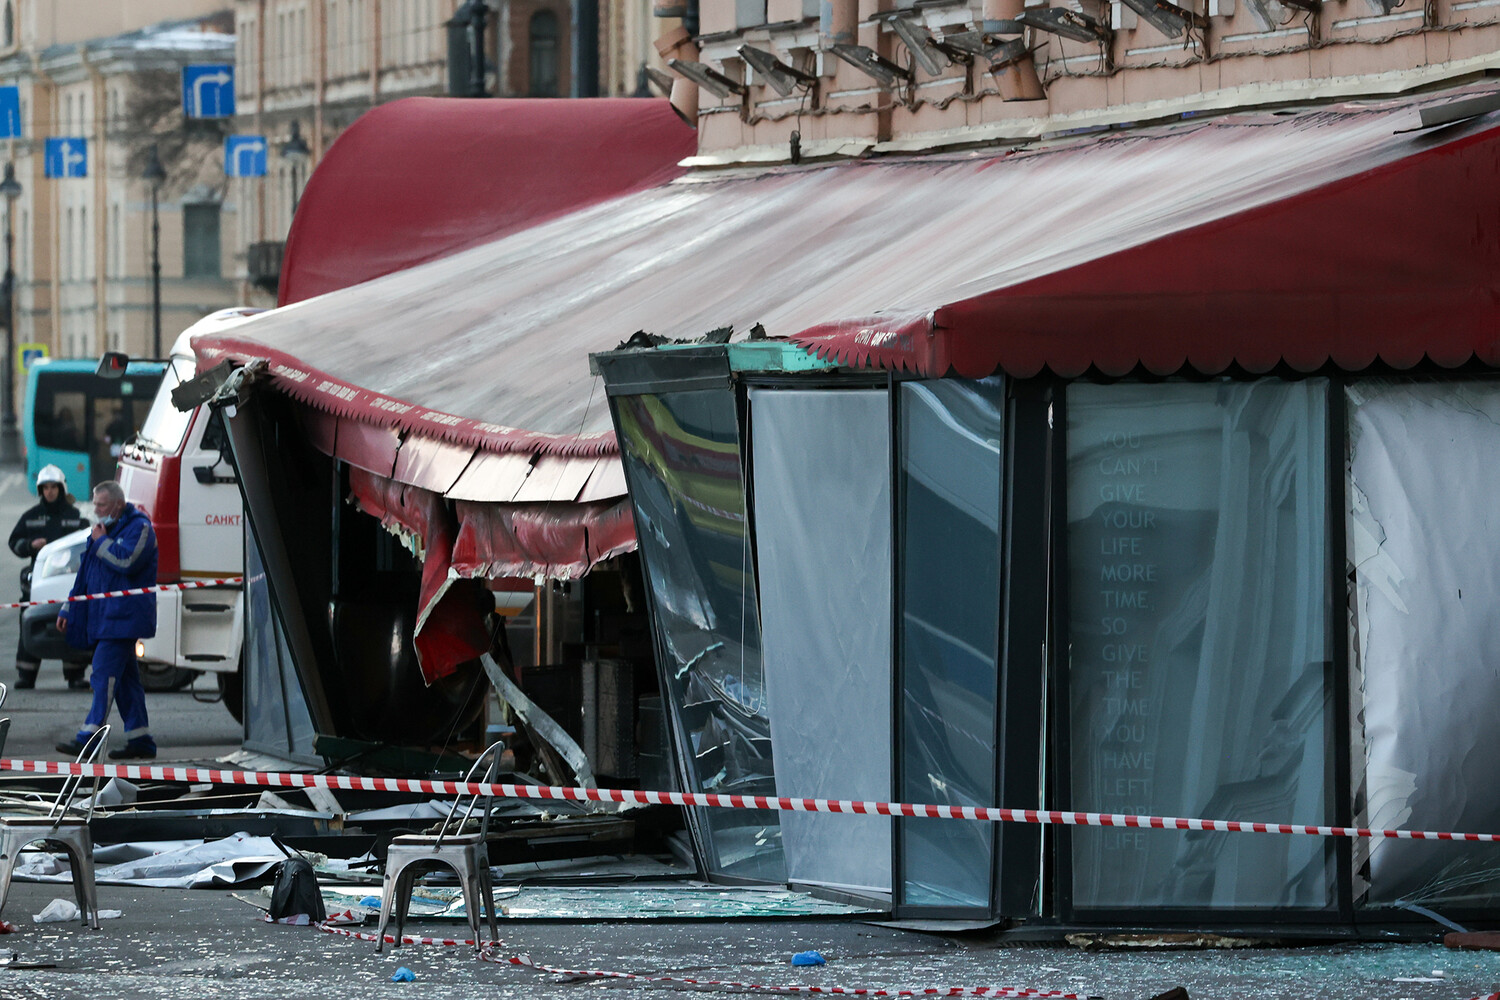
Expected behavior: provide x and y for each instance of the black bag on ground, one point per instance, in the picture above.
(296, 891)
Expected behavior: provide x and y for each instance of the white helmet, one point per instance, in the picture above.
(51, 474)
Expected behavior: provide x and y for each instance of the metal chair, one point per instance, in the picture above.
(66, 825)
(412, 856)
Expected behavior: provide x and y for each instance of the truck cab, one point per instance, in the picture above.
(177, 469)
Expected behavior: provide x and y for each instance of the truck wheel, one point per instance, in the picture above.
(160, 677)
(232, 693)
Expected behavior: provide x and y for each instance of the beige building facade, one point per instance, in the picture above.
(317, 65)
(83, 245)
(946, 73)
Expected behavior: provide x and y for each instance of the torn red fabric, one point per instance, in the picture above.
(557, 541)
(450, 619)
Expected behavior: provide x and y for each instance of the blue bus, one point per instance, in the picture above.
(78, 421)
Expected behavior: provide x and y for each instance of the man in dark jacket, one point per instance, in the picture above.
(121, 555)
(48, 521)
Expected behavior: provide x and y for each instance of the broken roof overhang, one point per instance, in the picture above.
(1251, 240)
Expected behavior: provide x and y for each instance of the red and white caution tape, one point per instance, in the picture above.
(487, 953)
(345, 782)
(160, 588)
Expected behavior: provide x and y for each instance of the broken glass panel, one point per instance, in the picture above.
(1424, 634)
(681, 453)
(1199, 670)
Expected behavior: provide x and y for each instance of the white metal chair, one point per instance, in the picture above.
(415, 855)
(66, 825)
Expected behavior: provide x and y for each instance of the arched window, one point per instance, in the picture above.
(542, 47)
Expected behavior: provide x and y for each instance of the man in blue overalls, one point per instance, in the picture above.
(121, 555)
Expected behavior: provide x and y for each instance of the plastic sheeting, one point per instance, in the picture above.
(277, 719)
(485, 168)
(1200, 661)
(1422, 533)
(178, 864)
(823, 541)
(450, 625)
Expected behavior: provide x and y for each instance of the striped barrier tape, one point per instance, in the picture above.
(344, 782)
(158, 589)
(487, 954)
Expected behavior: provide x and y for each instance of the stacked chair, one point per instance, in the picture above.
(464, 853)
(66, 825)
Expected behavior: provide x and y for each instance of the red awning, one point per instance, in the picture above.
(419, 178)
(1323, 235)
(1396, 263)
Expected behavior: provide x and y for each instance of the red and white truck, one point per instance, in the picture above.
(178, 469)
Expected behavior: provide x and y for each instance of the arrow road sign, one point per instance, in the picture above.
(208, 91)
(10, 112)
(245, 155)
(67, 156)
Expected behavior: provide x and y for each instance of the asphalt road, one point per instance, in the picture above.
(185, 728)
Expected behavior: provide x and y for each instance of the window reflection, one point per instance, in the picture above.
(950, 457)
(681, 453)
(1199, 638)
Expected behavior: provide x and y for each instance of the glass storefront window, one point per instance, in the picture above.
(1199, 671)
(682, 458)
(950, 464)
(1424, 634)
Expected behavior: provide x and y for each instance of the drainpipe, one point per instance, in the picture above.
(838, 21)
(678, 44)
(48, 86)
(260, 107)
(101, 200)
(1016, 78)
(377, 28)
(319, 82)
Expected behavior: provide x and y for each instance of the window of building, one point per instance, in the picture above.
(66, 250)
(8, 30)
(85, 259)
(200, 240)
(542, 55)
(1200, 639)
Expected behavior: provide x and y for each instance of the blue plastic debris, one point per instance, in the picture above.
(403, 975)
(808, 958)
(373, 902)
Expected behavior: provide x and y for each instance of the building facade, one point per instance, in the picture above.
(83, 244)
(320, 64)
(929, 75)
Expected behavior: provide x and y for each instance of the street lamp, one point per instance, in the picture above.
(295, 152)
(154, 175)
(10, 449)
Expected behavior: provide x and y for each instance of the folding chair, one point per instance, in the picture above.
(66, 825)
(414, 855)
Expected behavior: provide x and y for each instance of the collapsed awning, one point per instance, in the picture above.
(415, 179)
(1301, 237)
(1306, 237)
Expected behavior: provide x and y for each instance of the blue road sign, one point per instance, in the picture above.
(245, 155)
(67, 156)
(208, 91)
(10, 112)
